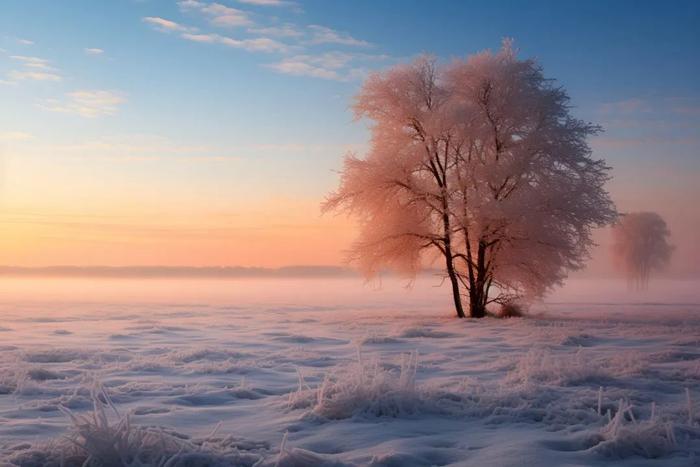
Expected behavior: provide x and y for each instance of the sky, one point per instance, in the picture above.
(197, 133)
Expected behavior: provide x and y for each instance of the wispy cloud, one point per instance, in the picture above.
(270, 35)
(14, 136)
(260, 44)
(30, 68)
(22, 75)
(86, 103)
(299, 66)
(266, 2)
(686, 106)
(190, 4)
(32, 62)
(659, 115)
(627, 106)
(33, 69)
(340, 66)
(324, 35)
(218, 14)
(647, 142)
(165, 25)
(693, 110)
(24, 41)
(204, 38)
(94, 51)
(286, 30)
(224, 16)
(133, 148)
(646, 125)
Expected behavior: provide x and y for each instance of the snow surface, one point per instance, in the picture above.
(335, 373)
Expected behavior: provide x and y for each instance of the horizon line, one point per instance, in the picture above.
(156, 271)
(232, 272)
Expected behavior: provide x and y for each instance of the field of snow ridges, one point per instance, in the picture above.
(154, 384)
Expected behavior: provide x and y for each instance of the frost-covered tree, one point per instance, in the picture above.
(478, 163)
(640, 246)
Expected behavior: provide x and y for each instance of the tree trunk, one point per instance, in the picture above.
(477, 302)
(449, 258)
(477, 294)
(455, 283)
(477, 309)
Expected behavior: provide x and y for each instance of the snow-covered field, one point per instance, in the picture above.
(334, 373)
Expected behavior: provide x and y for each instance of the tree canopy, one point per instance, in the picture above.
(478, 164)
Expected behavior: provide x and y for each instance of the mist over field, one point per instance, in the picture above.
(334, 372)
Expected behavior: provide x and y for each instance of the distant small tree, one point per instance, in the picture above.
(478, 163)
(640, 246)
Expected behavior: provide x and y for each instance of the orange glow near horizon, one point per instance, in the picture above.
(274, 234)
(67, 220)
(59, 208)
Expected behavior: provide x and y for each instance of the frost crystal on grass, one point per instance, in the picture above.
(95, 441)
(364, 388)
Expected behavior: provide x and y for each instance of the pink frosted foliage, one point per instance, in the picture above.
(477, 164)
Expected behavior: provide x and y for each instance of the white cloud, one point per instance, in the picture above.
(165, 25)
(32, 62)
(260, 44)
(330, 65)
(86, 103)
(324, 66)
(205, 38)
(334, 60)
(190, 4)
(224, 16)
(339, 66)
(265, 2)
(324, 35)
(286, 30)
(298, 67)
(14, 136)
(218, 14)
(33, 69)
(25, 41)
(24, 75)
(94, 51)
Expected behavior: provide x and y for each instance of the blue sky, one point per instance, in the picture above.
(248, 100)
